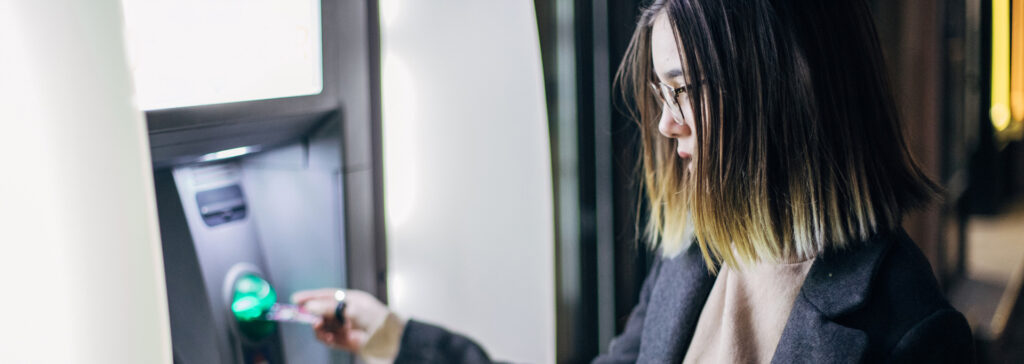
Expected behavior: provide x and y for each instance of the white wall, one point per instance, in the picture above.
(467, 173)
(80, 266)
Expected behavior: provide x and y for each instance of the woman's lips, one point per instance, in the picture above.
(682, 148)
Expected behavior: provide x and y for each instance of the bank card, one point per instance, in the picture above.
(286, 312)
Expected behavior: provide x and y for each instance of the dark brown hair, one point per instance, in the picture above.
(799, 143)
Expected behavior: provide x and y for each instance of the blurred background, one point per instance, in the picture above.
(957, 69)
(467, 162)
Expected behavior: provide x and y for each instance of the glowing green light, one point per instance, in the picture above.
(252, 298)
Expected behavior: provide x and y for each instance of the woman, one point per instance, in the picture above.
(777, 177)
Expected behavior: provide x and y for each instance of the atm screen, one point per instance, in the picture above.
(192, 52)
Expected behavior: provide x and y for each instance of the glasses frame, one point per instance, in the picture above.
(670, 95)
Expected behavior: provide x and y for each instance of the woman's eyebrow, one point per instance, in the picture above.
(672, 73)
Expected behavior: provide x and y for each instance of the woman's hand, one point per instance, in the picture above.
(363, 316)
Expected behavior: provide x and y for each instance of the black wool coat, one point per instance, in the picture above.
(874, 302)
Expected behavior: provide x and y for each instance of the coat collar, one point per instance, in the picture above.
(838, 283)
(676, 302)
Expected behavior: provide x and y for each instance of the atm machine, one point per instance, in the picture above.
(264, 132)
(242, 233)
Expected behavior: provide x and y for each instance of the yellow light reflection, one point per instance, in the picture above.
(1017, 62)
(999, 112)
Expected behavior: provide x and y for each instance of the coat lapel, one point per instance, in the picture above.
(837, 284)
(675, 305)
(811, 337)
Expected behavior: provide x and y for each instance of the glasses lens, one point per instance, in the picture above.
(669, 97)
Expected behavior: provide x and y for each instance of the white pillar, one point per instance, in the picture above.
(81, 272)
(468, 187)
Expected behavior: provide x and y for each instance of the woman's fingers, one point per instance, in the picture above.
(363, 314)
(321, 335)
(353, 341)
(301, 297)
(340, 336)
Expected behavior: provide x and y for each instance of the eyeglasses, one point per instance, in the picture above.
(670, 96)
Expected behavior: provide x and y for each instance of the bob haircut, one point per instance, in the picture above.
(799, 146)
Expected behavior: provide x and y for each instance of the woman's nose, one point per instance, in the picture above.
(670, 127)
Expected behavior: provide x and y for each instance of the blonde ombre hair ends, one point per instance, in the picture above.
(799, 144)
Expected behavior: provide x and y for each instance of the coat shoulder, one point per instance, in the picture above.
(905, 303)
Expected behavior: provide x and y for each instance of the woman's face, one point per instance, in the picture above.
(665, 54)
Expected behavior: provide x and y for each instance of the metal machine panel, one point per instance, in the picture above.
(219, 247)
(277, 214)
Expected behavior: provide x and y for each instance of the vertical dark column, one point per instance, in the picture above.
(585, 131)
(576, 324)
(962, 113)
(633, 259)
(920, 83)
(593, 149)
(912, 35)
(604, 183)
